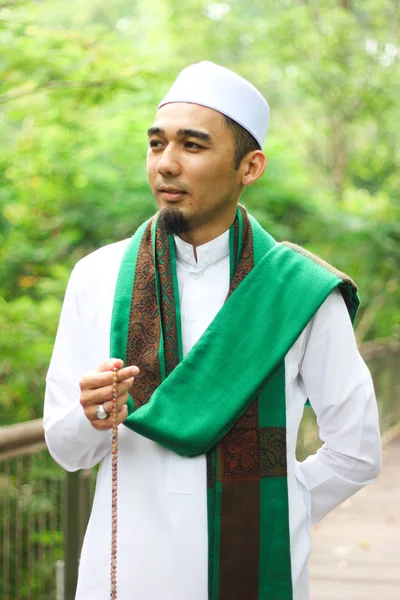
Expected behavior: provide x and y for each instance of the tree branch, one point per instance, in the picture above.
(58, 85)
(11, 3)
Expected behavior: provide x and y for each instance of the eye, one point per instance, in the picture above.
(155, 144)
(193, 146)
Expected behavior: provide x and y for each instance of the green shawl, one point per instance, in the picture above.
(226, 398)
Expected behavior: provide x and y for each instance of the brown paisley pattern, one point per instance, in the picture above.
(249, 420)
(144, 331)
(253, 451)
(273, 461)
(246, 260)
(168, 309)
(240, 455)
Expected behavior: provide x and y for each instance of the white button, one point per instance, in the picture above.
(191, 319)
(196, 275)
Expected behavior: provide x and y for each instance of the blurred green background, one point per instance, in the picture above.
(79, 83)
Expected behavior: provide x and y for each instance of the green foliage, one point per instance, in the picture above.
(79, 83)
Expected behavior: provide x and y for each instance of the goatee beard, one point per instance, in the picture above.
(172, 221)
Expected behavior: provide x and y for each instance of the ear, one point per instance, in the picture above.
(252, 167)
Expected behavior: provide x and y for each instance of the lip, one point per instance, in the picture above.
(171, 194)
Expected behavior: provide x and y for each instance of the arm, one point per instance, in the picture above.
(340, 390)
(75, 437)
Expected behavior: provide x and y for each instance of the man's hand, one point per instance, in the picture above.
(96, 388)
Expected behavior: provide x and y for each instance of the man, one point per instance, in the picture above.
(224, 335)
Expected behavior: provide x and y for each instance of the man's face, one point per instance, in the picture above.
(190, 164)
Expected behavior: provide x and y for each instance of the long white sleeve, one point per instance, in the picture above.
(81, 345)
(339, 387)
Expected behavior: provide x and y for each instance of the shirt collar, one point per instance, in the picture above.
(206, 254)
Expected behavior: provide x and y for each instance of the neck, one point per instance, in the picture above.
(202, 234)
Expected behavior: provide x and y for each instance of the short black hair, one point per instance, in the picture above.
(244, 141)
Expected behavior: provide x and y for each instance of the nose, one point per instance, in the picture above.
(168, 163)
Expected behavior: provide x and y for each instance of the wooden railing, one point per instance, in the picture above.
(44, 512)
(383, 360)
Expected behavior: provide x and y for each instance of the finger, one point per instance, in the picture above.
(91, 409)
(121, 401)
(116, 363)
(98, 379)
(110, 364)
(105, 424)
(122, 415)
(99, 396)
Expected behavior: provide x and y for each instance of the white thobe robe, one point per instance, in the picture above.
(162, 539)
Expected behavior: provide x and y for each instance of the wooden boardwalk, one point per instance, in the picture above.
(356, 549)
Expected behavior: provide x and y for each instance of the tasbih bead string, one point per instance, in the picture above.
(114, 488)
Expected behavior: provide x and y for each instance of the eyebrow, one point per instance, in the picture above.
(196, 133)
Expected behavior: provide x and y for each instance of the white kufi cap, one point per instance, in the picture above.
(216, 87)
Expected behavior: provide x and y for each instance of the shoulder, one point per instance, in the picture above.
(103, 257)
(317, 269)
(332, 319)
(97, 271)
(331, 315)
(309, 258)
(334, 307)
(330, 323)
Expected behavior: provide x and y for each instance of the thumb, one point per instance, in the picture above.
(110, 364)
